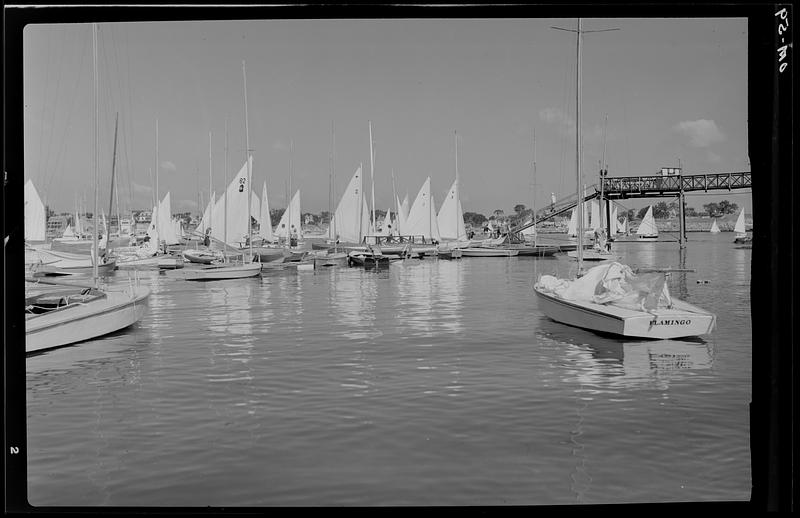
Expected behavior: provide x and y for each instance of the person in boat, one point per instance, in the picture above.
(207, 238)
(293, 237)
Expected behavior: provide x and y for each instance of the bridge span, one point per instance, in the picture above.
(669, 184)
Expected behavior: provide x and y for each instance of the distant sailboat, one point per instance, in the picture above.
(741, 230)
(647, 231)
(451, 218)
(351, 221)
(714, 227)
(422, 217)
(289, 225)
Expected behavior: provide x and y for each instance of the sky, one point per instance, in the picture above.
(673, 91)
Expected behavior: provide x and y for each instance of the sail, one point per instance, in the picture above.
(255, 207)
(237, 213)
(351, 220)
(422, 217)
(399, 218)
(78, 226)
(572, 228)
(613, 222)
(386, 224)
(451, 219)
(166, 229)
(205, 221)
(68, 233)
(714, 228)
(291, 225)
(35, 217)
(648, 225)
(594, 215)
(740, 228)
(265, 220)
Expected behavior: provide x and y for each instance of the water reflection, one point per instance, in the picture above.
(617, 366)
(430, 297)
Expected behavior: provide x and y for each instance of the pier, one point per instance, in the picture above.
(669, 184)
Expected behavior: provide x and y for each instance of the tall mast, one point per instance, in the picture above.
(578, 152)
(332, 193)
(397, 207)
(225, 217)
(457, 197)
(210, 182)
(372, 174)
(289, 205)
(602, 174)
(158, 208)
(361, 203)
(111, 200)
(96, 258)
(249, 169)
(533, 193)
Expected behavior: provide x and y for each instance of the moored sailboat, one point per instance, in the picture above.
(610, 298)
(647, 231)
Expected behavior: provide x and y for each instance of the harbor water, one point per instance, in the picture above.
(431, 382)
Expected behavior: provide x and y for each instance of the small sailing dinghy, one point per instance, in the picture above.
(610, 298)
(714, 228)
(647, 230)
(741, 231)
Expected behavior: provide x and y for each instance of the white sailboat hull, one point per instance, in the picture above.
(680, 321)
(594, 255)
(239, 271)
(489, 252)
(78, 322)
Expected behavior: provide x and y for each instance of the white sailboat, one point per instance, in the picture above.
(265, 220)
(610, 298)
(239, 200)
(351, 220)
(422, 216)
(63, 315)
(714, 227)
(647, 231)
(741, 230)
(289, 224)
(451, 218)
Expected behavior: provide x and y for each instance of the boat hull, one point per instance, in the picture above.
(80, 322)
(239, 271)
(682, 320)
(489, 252)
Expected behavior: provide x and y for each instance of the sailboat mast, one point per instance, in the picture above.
(456, 186)
(289, 195)
(578, 151)
(96, 257)
(249, 169)
(359, 217)
(225, 217)
(111, 200)
(397, 207)
(158, 208)
(372, 174)
(332, 194)
(533, 193)
(602, 174)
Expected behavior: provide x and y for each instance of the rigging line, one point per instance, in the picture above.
(67, 126)
(50, 171)
(44, 101)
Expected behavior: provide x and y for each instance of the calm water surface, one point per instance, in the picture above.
(430, 383)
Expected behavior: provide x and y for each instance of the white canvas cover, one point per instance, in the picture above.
(612, 283)
(451, 218)
(35, 217)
